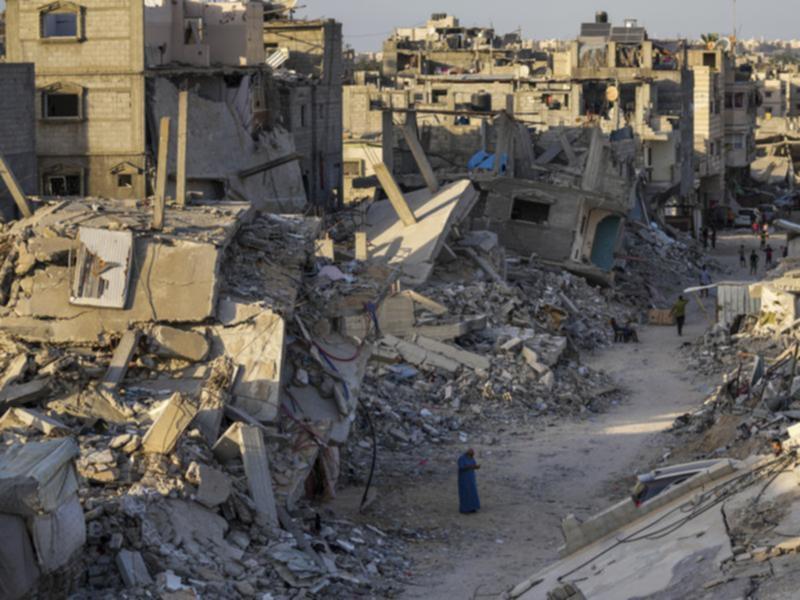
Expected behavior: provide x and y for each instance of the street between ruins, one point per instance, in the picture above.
(531, 477)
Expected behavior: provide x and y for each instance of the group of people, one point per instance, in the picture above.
(754, 258)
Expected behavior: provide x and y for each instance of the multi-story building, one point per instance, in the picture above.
(108, 70)
(311, 98)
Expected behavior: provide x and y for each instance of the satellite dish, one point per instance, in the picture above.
(612, 93)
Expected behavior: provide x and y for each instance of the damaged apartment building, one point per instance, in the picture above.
(107, 73)
(689, 111)
(308, 63)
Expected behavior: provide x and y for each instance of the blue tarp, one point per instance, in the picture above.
(484, 161)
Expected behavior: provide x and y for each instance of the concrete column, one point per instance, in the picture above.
(412, 139)
(396, 197)
(362, 253)
(183, 117)
(161, 174)
(13, 186)
(387, 139)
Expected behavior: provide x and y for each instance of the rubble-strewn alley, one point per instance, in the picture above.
(475, 316)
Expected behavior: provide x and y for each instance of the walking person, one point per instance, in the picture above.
(713, 238)
(678, 311)
(753, 263)
(704, 236)
(742, 257)
(468, 501)
(768, 257)
(754, 226)
(705, 280)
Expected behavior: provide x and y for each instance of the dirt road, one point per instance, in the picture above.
(531, 477)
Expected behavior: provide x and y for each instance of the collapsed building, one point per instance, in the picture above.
(691, 109)
(98, 108)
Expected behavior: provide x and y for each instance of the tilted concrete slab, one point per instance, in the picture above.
(414, 248)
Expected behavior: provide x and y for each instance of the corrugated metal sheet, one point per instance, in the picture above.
(735, 300)
(102, 268)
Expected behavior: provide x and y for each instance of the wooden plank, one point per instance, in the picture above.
(161, 175)
(14, 187)
(256, 467)
(395, 195)
(183, 118)
(122, 357)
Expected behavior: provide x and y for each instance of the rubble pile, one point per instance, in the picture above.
(655, 262)
(179, 472)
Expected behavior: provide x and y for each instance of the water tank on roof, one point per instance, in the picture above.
(601, 16)
(481, 101)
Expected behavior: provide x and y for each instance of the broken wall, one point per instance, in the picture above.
(17, 131)
(226, 141)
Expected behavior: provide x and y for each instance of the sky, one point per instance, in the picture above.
(367, 23)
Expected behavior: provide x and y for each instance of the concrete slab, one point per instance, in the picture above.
(163, 435)
(414, 247)
(259, 479)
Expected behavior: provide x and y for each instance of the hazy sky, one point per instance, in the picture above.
(367, 22)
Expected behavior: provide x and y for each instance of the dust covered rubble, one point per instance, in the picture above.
(191, 481)
(219, 374)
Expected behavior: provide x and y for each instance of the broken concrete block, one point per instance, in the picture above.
(132, 569)
(512, 344)
(468, 359)
(419, 356)
(324, 248)
(23, 417)
(18, 569)
(532, 358)
(37, 477)
(177, 343)
(14, 371)
(58, 535)
(256, 467)
(790, 545)
(170, 425)
(213, 486)
(122, 357)
(362, 253)
(229, 445)
(23, 393)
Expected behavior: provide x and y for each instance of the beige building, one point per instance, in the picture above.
(108, 70)
(90, 93)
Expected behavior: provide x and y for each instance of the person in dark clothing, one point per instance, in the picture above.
(704, 236)
(679, 312)
(468, 501)
(714, 238)
(742, 257)
(768, 257)
(753, 263)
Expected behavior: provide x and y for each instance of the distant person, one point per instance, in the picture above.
(704, 237)
(777, 446)
(624, 333)
(754, 226)
(768, 257)
(742, 257)
(468, 501)
(705, 280)
(763, 239)
(713, 238)
(753, 263)
(678, 311)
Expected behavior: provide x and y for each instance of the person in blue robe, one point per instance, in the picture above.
(468, 501)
